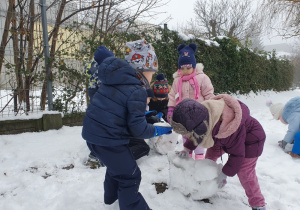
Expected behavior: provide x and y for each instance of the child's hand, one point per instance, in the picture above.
(159, 115)
(221, 180)
(150, 113)
(183, 153)
(152, 119)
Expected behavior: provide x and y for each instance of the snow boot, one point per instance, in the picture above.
(293, 155)
(94, 162)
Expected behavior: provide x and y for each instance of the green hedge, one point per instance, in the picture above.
(233, 68)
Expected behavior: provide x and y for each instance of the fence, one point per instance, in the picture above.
(23, 76)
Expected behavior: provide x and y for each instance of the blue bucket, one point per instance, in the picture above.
(296, 147)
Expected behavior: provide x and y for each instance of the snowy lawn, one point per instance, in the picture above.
(45, 171)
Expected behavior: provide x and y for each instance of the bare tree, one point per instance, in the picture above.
(106, 16)
(283, 16)
(6, 31)
(232, 18)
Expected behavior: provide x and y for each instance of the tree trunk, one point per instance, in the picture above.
(213, 25)
(5, 31)
(17, 55)
(30, 54)
(52, 51)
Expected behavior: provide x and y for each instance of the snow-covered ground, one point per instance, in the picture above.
(45, 171)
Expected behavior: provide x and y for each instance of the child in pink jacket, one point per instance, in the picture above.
(189, 82)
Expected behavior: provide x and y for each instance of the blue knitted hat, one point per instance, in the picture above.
(187, 55)
(101, 53)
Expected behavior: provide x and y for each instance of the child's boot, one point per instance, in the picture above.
(191, 154)
(199, 157)
(259, 208)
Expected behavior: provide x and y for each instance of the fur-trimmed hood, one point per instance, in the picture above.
(226, 108)
(199, 70)
(231, 116)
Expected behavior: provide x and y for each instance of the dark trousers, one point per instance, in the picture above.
(122, 178)
(138, 147)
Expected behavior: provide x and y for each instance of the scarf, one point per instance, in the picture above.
(193, 82)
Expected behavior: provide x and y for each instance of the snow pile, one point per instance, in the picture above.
(165, 143)
(193, 178)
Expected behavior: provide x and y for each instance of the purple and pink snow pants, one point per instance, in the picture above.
(247, 177)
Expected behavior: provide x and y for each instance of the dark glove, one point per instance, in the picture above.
(287, 147)
(162, 130)
(221, 180)
(153, 117)
(282, 144)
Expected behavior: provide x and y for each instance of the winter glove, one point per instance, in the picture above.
(282, 144)
(153, 117)
(150, 113)
(170, 113)
(162, 130)
(221, 179)
(287, 147)
(159, 115)
(183, 153)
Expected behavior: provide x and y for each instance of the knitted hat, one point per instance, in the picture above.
(101, 53)
(160, 86)
(275, 109)
(193, 116)
(141, 56)
(187, 55)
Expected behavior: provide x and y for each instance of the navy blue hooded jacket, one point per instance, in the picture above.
(116, 113)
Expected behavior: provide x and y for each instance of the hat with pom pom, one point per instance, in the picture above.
(101, 53)
(275, 109)
(187, 55)
(160, 86)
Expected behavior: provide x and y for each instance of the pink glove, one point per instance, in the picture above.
(170, 112)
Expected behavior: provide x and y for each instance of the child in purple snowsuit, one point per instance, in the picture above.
(223, 124)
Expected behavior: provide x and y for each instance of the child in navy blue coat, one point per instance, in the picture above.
(116, 114)
(91, 70)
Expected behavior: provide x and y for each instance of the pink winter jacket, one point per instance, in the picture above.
(206, 87)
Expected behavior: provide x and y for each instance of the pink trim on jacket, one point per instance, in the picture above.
(231, 116)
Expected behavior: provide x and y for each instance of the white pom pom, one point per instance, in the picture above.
(269, 103)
